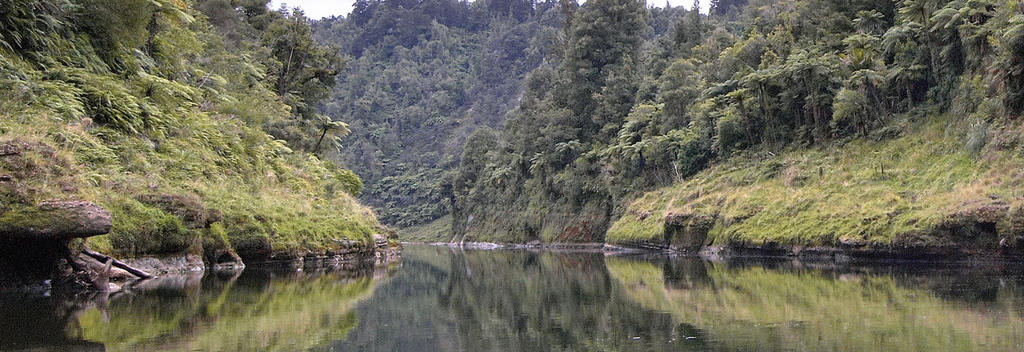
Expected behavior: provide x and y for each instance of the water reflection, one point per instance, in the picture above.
(441, 299)
(257, 310)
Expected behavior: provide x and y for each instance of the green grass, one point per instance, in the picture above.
(439, 230)
(270, 199)
(861, 191)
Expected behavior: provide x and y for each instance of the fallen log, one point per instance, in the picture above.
(117, 263)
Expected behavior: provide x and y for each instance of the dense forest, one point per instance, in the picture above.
(420, 77)
(759, 121)
(225, 126)
(194, 123)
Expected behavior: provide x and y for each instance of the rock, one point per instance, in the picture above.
(9, 149)
(58, 220)
(380, 240)
(687, 232)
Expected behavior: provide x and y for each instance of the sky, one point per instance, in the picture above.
(318, 9)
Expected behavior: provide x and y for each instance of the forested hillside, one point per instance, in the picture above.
(802, 122)
(420, 77)
(193, 122)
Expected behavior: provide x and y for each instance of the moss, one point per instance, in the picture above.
(23, 217)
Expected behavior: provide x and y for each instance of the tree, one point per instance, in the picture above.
(337, 129)
(603, 33)
(301, 71)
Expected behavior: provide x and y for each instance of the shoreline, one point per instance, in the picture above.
(808, 254)
(186, 265)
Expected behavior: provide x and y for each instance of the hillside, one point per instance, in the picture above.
(185, 120)
(870, 124)
(419, 78)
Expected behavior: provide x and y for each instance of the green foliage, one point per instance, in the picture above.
(140, 229)
(146, 97)
(419, 80)
(770, 78)
(32, 25)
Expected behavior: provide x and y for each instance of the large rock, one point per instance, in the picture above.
(687, 232)
(56, 220)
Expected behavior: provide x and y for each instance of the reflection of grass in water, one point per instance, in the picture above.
(751, 307)
(284, 315)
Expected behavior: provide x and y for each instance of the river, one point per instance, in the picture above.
(444, 299)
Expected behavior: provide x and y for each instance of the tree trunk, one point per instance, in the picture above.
(117, 263)
(322, 135)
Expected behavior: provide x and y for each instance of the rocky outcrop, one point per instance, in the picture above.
(56, 220)
(687, 232)
(347, 254)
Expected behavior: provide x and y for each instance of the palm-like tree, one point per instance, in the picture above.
(327, 125)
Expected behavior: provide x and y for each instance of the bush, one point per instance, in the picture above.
(977, 138)
(850, 112)
(732, 129)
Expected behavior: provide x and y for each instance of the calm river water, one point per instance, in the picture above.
(442, 299)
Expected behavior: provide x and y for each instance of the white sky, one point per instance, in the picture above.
(318, 9)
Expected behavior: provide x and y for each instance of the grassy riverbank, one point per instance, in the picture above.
(931, 186)
(195, 141)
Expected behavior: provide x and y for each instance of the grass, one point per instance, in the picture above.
(864, 190)
(439, 230)
(267, 198)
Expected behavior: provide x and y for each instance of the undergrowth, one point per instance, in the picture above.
(183, 121)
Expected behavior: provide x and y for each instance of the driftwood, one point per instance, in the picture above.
(102, 281)
(104, 259)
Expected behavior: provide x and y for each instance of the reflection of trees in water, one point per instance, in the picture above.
(444, 299)
(504, 301)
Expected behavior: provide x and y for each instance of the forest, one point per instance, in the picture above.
(759, 122)
(228, 128)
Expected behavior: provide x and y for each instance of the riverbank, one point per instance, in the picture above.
(917, 191)
(815, 256)
(56, 202)
(920, 194)
(159, 146)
